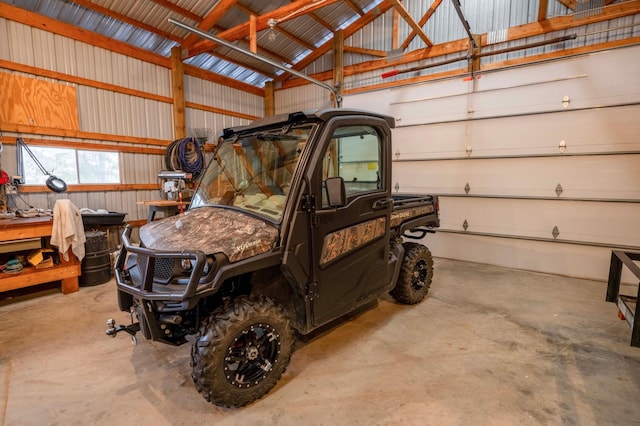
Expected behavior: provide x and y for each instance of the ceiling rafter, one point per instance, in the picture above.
(363, 51)
(285, 13)
(88, 4)
(357, 25)
(355, 7)
(320, 20)
(412, 23)
(281, 30)
(116, 15)
(571, 4)
(179, 10)
(542, 10)
(209, 20)
(421, 23)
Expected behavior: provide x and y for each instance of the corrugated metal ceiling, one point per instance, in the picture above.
(292, 44)
(298, 33)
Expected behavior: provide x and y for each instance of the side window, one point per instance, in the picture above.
(355, 154)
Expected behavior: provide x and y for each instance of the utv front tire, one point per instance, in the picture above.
(415, 276)
(241, 352)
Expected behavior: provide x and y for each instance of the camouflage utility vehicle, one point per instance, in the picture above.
(293, 225)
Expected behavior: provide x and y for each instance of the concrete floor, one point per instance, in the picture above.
(488, 346)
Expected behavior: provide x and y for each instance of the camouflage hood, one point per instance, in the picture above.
(211, 230)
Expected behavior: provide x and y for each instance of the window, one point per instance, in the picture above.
(354, 154)
(71, 165)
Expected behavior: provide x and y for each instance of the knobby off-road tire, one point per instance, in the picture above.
(241, 351)
(415, 276)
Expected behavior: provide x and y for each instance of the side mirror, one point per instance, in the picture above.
(336, 194)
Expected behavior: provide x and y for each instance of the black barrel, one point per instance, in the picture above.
(96, 265)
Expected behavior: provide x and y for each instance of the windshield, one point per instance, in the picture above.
(254, 171)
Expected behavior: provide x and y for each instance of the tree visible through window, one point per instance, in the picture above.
(71, 165)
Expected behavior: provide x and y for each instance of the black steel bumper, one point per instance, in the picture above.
(140, 282)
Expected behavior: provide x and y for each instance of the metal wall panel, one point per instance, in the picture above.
(103, 111)
(511, 123)
(307, 97)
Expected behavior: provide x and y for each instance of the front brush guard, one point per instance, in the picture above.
(146, 264)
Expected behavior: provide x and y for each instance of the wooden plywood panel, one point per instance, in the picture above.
(39, 103)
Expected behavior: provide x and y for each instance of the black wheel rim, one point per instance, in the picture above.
(251, 355)
(419, 276)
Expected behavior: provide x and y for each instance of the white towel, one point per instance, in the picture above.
(68, 229)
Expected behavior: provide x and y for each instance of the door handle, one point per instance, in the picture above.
(382, 203)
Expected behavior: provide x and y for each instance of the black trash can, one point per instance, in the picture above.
(96, 265)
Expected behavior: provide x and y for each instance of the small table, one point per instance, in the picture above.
(67, 271)
(168, 207)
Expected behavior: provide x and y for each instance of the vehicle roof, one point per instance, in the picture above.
(321, 115)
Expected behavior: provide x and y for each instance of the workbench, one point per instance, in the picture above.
(168, 207)
(37, 227)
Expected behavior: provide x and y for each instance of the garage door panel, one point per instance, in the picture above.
(614, 224)
(553, 258)
(600, 177)
(604, 130)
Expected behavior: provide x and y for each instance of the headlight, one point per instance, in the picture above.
(186, 264)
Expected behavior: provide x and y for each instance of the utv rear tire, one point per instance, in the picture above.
(415, 276)
(241, 351)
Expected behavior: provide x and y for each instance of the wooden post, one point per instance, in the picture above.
(177, 88)
(269, 99)
(253, 37)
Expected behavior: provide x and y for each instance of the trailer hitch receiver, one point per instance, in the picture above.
(132, 329)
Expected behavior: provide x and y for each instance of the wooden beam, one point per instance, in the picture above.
(35, 20)
(220, 79)
(282, 14)
(84, 145)
(363, 21)
(94, 188)
(395, 30)
(124, 18)
(422, 22)
(209, 21)
(355, 7)
(542, 10)
(617, 10)
(216, 110)
(77, 134)
(295, 38)
(177, 91)
(363, 51)
(253, 35)
(179, 10)
(571, 4)
(41, 72)
(412, 23)
(614, 11)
